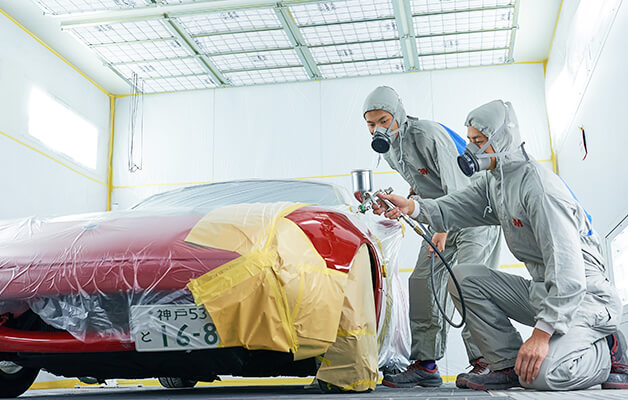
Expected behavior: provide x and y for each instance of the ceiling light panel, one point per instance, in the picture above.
(142, 51)
(178, 83)
(180, 1)
(121, 32)
(278, 75)
(230, 21)
(463, 42)
(163, 68)
(436, 6)
(341, 11)
(59, 7)
(257, 60)
(463, 21)
(458, 60)
(362, 68)
(356, 52)
(246, 41)
(350, 32)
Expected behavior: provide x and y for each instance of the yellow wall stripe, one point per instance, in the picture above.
(112, 123)
(31, 34)
(51, 158)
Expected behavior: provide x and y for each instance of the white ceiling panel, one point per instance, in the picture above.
(257, 60)
(463, 42)
(121, 32)
(179, 83)
(350, 32)
(163, 68)
(362, 68)
(341, 11)
(459, 60)
(277, 75)
(229, 21)
(142, 51)
(246, 41)
(463, 21)
(356, 52)
(436, 6)
(60, 7)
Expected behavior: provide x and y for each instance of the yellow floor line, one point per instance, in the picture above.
(72, 383)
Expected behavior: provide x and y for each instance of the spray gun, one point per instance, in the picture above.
(362, 182)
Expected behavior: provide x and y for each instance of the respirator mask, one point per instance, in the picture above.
(474, 159)
(383, 138)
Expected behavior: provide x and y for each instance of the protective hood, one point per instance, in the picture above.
(489, 118)
(385, 98)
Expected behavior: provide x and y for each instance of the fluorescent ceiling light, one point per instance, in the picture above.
(229, 21)
(362, 68)
(261, 60)
(58, 7)
(463, 42)
(435, 6)
(240, 42)
(142, 51)
(178, 83)
(458, 60)
(341, 11)
(160, 69)
(121, 32)
(463, 21)
(356, 52)
(277, 75)
(351, 32)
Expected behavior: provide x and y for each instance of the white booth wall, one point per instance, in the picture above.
(312, 130)
(34, 184)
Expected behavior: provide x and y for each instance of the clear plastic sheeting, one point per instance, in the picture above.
(97, 275)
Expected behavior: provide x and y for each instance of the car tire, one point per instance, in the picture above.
(176, 383)
(16, 380)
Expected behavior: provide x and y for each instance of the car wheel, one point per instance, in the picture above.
(15, 379)
(176, 383)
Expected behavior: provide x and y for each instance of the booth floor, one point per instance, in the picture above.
(447, 391)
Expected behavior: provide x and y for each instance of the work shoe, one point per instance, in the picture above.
(494, 380)
(480, 367)
(415, 375)
(618, 378)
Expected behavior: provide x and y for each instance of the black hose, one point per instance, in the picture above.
(463, 308)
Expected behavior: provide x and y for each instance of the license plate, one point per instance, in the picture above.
(172, 327)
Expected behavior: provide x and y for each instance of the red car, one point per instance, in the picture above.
(109, 295)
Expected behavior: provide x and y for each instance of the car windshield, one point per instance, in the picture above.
(214, 195)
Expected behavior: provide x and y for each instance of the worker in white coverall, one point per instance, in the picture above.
(574, 309)
(424, 153)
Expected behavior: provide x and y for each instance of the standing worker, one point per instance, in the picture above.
(424, 153)
(574, 309)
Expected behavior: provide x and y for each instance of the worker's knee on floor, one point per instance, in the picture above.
(552, 376)
(462, 273)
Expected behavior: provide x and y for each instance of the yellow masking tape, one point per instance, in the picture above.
(355, 332)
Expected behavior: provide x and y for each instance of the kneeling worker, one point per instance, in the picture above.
(424, 153)
(574, 309)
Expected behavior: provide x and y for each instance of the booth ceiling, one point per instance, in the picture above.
(175, 45)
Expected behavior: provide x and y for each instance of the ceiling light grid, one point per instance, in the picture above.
(375, 67)
(464, 42)
(121, 32)
(278, 75)
(256, 60)
(178, 83)
(350, 32)
(243, 42)
(356, 52)
(465, 21)
(61, 7)
(440, 6)
(328, 12)
(162, 68)
(142, 51)
(230, 21)
(468, 59)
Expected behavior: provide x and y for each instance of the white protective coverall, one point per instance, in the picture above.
(547, 229)
(425, 155)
